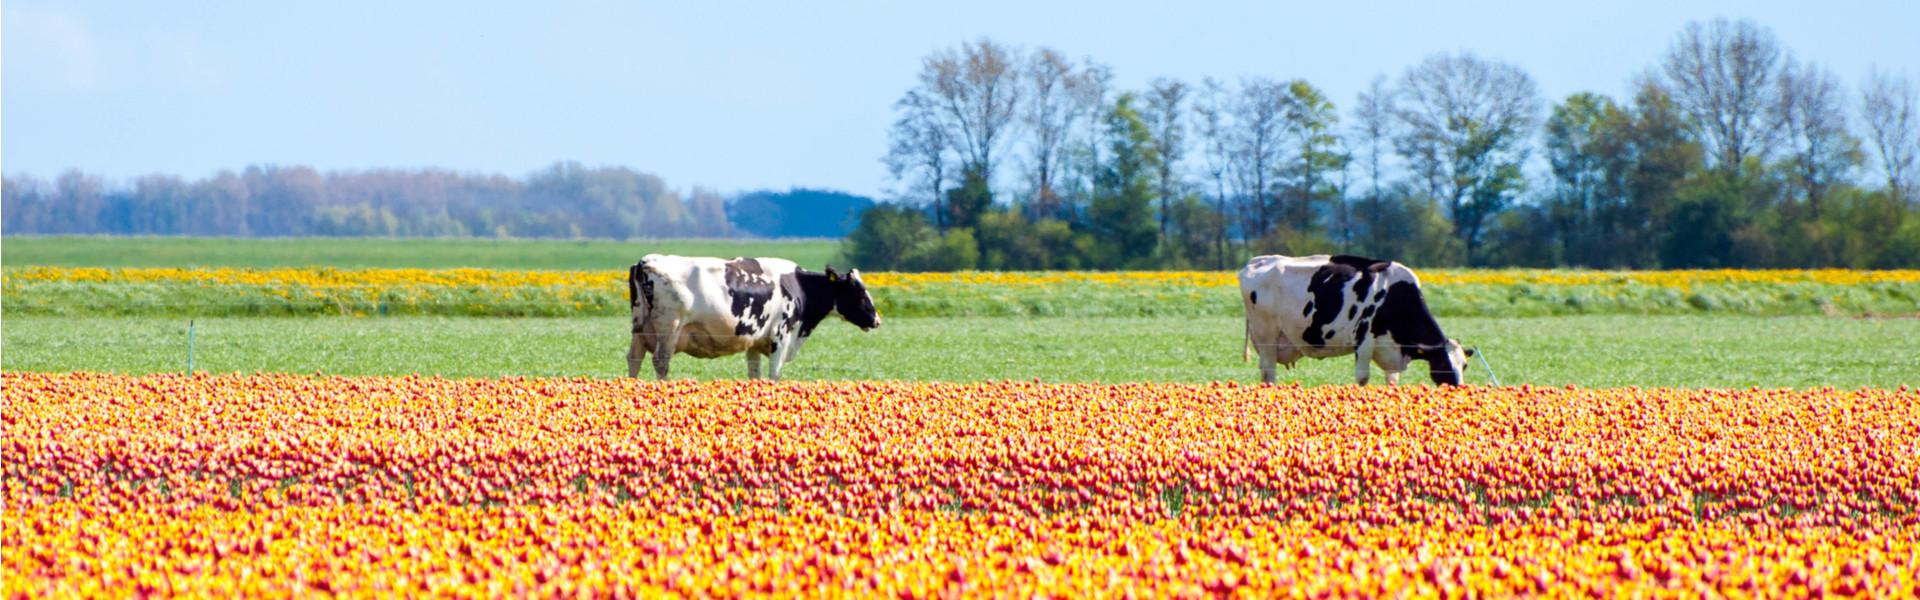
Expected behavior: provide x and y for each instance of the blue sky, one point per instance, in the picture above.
(732, 95)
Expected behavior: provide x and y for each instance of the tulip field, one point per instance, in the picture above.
(279, 484)
(420, 418)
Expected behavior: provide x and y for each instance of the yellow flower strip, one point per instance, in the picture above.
(613, 279)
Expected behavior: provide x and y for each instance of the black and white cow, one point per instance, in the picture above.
(1324, 306)
(712, 307)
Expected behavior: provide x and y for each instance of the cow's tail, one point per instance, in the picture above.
(633, 285)
(640, 292)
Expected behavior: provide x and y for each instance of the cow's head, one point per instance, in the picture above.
(1447, 363)
(851, 300)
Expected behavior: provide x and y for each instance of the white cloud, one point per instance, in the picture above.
(48, 50)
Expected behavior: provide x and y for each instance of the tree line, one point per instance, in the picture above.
(564, 200)
(1729, 152)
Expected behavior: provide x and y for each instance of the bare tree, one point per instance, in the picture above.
(1164, 107)
(1887, 105)
(1212, 111)
(1722, 75)
(1258, 116)
(1373, 122)
(1466, 123)
(920, 149)
(1052, 110)
(1373, 128)
(1090, 98)
(1812, 117)
(978, 89)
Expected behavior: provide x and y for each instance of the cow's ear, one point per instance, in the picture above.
(832, 276)
(1470, 353)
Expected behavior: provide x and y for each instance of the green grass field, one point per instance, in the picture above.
(93, 251)
(1550, 335)
(1605, 351)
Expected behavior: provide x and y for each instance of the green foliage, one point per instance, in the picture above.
(954, 251)
(1192, 244)
(897, 238)
(886, 234)
(966, 203)
(1009, 242)
(1589, 351)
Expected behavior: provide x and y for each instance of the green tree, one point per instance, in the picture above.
(1122, 212)
(1310, 120)
(1658, 157)
(1169, 135)
(1580, 147)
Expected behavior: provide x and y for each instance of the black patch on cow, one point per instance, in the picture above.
(1351, 311)
(1368, 313)
(750, 289)
(1253, 297)
(1328, 287)
(812, 297)
(1405, 318)
(1359, 263)
(1308, 310)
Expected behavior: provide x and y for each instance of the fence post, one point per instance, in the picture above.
(189, 346)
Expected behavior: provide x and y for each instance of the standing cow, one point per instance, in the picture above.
(711, 307)
(1324, 306)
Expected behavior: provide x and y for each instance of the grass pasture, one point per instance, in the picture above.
(301, 291)
(1590, 351)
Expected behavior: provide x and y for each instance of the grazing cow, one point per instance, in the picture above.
(711, 307)
(1324, 306)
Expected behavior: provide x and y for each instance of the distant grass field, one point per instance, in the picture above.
(96, 251)
(1601, 351)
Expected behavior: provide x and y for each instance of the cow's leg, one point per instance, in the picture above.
(666, 337)
(1267, 352)
(636, 354)
(1387, 355)
(1362, 360)
(753, 365)
(783, 352)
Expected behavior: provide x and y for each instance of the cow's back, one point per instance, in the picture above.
(1275, 287)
